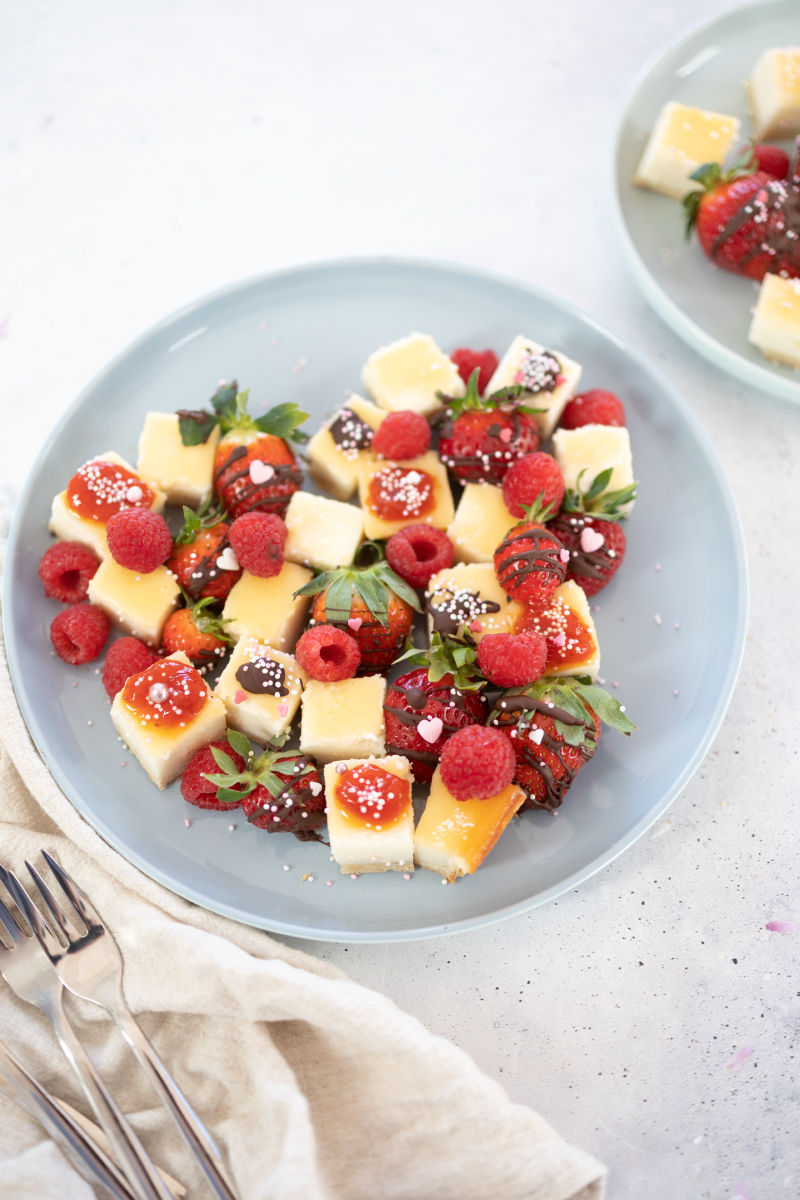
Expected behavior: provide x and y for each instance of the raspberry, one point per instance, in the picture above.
(418, 552)
(402, 435)
(139, 539)
(771, 160)
(65, 571)
(202, 792)
(476, 763)
(79, 633)
(328, 653)
(467, 360)
(258, 539)
(511, 660)
(596, 407)
(127, 656)
(535, 474)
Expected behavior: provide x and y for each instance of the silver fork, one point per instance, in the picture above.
(29, 973)
(91, 967)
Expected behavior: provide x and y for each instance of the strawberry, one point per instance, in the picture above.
(480, 437)
(370, 602)
(554, 727)
(588, 528)
(198, 546)
(747, 221)
(530, 562)
(443, 687)
(199, 634)
(281, 792)
(254, 469)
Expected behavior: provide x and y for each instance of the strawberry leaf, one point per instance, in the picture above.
(282, 421)
(228, 796)
(224, 761)
(314, 586)
(611, 506)
(606, 706)
(373, 592)
(195, 425)
(224, 402)
(399, 586)
(240, 744)
(339, 599)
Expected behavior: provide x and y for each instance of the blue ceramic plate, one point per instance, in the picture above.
(710, 309)
(303, 335)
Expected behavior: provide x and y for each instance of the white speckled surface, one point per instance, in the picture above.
(153, 151)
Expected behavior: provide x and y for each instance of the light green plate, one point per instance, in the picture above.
(710, 309)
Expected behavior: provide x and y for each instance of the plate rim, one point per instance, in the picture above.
(714, 351)
(460, 925)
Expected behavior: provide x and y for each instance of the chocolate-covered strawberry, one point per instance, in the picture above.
(480, 436)
(370, 602)
(554, 727)
(280, 791)
(203, 561)
(426, 706)
(530, 562)
(588, 526)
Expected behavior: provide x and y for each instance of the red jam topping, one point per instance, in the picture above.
(372, 796)
(99, 489)
(399, 493)
(167, 695)
(569, 641)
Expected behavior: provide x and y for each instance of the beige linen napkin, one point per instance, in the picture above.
(315, 1088)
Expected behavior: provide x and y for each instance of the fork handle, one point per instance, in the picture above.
(191, 1128)
(144, 1180)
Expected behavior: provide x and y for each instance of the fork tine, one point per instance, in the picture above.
(56, 910)
(12, 926)
(47, 940)
(89, 915)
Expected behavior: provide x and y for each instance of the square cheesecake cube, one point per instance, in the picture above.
(683, 139)
(343, 720)
(184, 474)
(773, 93)
(261, 689)
(412, 481)
(548, 377)
(469, 594)
(360, 844)
(480, 524)
(135, 603)
(775, 327)
(266, 609)
(592, 449)
(68, 525)
(566, 624)
(164, 752)
(453, 837)
(336, 450)
(409, 373)
(322, 533)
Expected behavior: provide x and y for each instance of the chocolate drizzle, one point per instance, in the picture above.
(509, 704)
(538, 372)
(536, 560)
(457, 608)
(415, 718)
(591, 564)
(206, 569)
(283, 474)
(263, 677)
(350, 433)
(779, 239)
(421, 756)
(554, 789)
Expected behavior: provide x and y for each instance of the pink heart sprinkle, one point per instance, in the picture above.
(239, 696)
(783, 926)
(505, 435)
(476, 627)
(561, 640)
(561, 379)
(355, 623)
(260, 472)
(283, 710)
(431, 729)
(564, 556)
(591, 540)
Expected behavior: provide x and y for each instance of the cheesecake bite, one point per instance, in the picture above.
(453, 837)
(682, 140)
(165, 714)
(469, 594)
(340, 446)
(184, 474)
(137, 604)
(100, 488)
(775, 327)
(549, 379)
(773, 93)
(370, 815)
(322, 533)
(343, 719)
(409, 373)
(266, 608)
(566, 624)
(413, 492)
(590, 450)
(481, 522)
(261, 689)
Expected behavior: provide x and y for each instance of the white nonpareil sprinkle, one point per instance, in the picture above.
(285, 866)
(657, 619)
(88, 722)
(231, 827)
